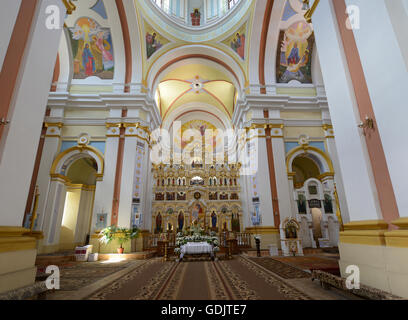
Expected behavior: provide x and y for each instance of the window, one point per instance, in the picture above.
(232, 3)
(164, 4)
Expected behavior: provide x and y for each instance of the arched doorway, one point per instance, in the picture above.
(77, 214)
(316, 224)
(68, 215)
(311, 176)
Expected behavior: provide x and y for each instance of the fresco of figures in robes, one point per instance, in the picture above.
(294, 61)
(237, 41)
(92, 50)
(238, 45)
(152, 44)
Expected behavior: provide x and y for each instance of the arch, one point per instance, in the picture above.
(63, 161)
(206, 53)
(324, 161)
(194, 107)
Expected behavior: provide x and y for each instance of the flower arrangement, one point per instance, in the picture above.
(196, 235)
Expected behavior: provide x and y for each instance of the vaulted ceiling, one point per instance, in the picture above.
(176, 65)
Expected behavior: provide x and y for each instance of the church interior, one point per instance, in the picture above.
(203, 150)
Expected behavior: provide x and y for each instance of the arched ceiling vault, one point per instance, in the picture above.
(195, 80)
(168, 72)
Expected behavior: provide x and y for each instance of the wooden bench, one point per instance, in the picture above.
(328, 280)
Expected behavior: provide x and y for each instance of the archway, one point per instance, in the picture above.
(67, 218)
(77, 214)
(311, 176)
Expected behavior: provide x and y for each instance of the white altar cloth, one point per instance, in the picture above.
(196, 248)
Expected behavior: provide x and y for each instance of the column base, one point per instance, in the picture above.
(381, 255)
(17, 258)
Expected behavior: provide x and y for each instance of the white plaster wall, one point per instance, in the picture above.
(137, 60)
(387, 80)
(66, 63)
(361, 193)
(26, 115)
(254, 44)
(332, 150)
(317, 74)
(272, 43)
(398, 11)
(8, 16)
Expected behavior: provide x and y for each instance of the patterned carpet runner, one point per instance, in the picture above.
(237, 279)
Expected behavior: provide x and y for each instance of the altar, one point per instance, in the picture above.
(196, 242)
(196, 248)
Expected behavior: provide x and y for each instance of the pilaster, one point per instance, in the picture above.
(104, 187)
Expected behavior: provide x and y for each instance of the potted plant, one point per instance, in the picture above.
(122, 235)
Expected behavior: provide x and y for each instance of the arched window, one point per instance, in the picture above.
(164, 4)
(232, 3)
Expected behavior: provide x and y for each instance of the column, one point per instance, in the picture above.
(146, 197)
(128, 170)
(27, 69)
(286, 205)
(51, 148)
(85, 214)
(361, 159)
(386, 79)
(263, 179)
(104, 187)
(332, 151)
(386, 75)
(54, 211)
(354, 162)
(268, 230)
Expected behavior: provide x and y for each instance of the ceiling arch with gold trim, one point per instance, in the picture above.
(199, 81)
(161, 38)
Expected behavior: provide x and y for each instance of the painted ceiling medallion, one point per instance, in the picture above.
(197, 85)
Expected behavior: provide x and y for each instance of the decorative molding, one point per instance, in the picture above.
(15, 239)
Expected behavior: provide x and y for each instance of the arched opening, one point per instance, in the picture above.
(78, 207)
(311, 172)
(304, 168)
(316, 224)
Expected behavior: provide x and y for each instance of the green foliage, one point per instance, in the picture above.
(122, 235)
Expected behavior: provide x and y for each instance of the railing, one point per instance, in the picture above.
(151, 242)
(244, 240)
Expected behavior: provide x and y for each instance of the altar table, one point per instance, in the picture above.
(196, 248)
